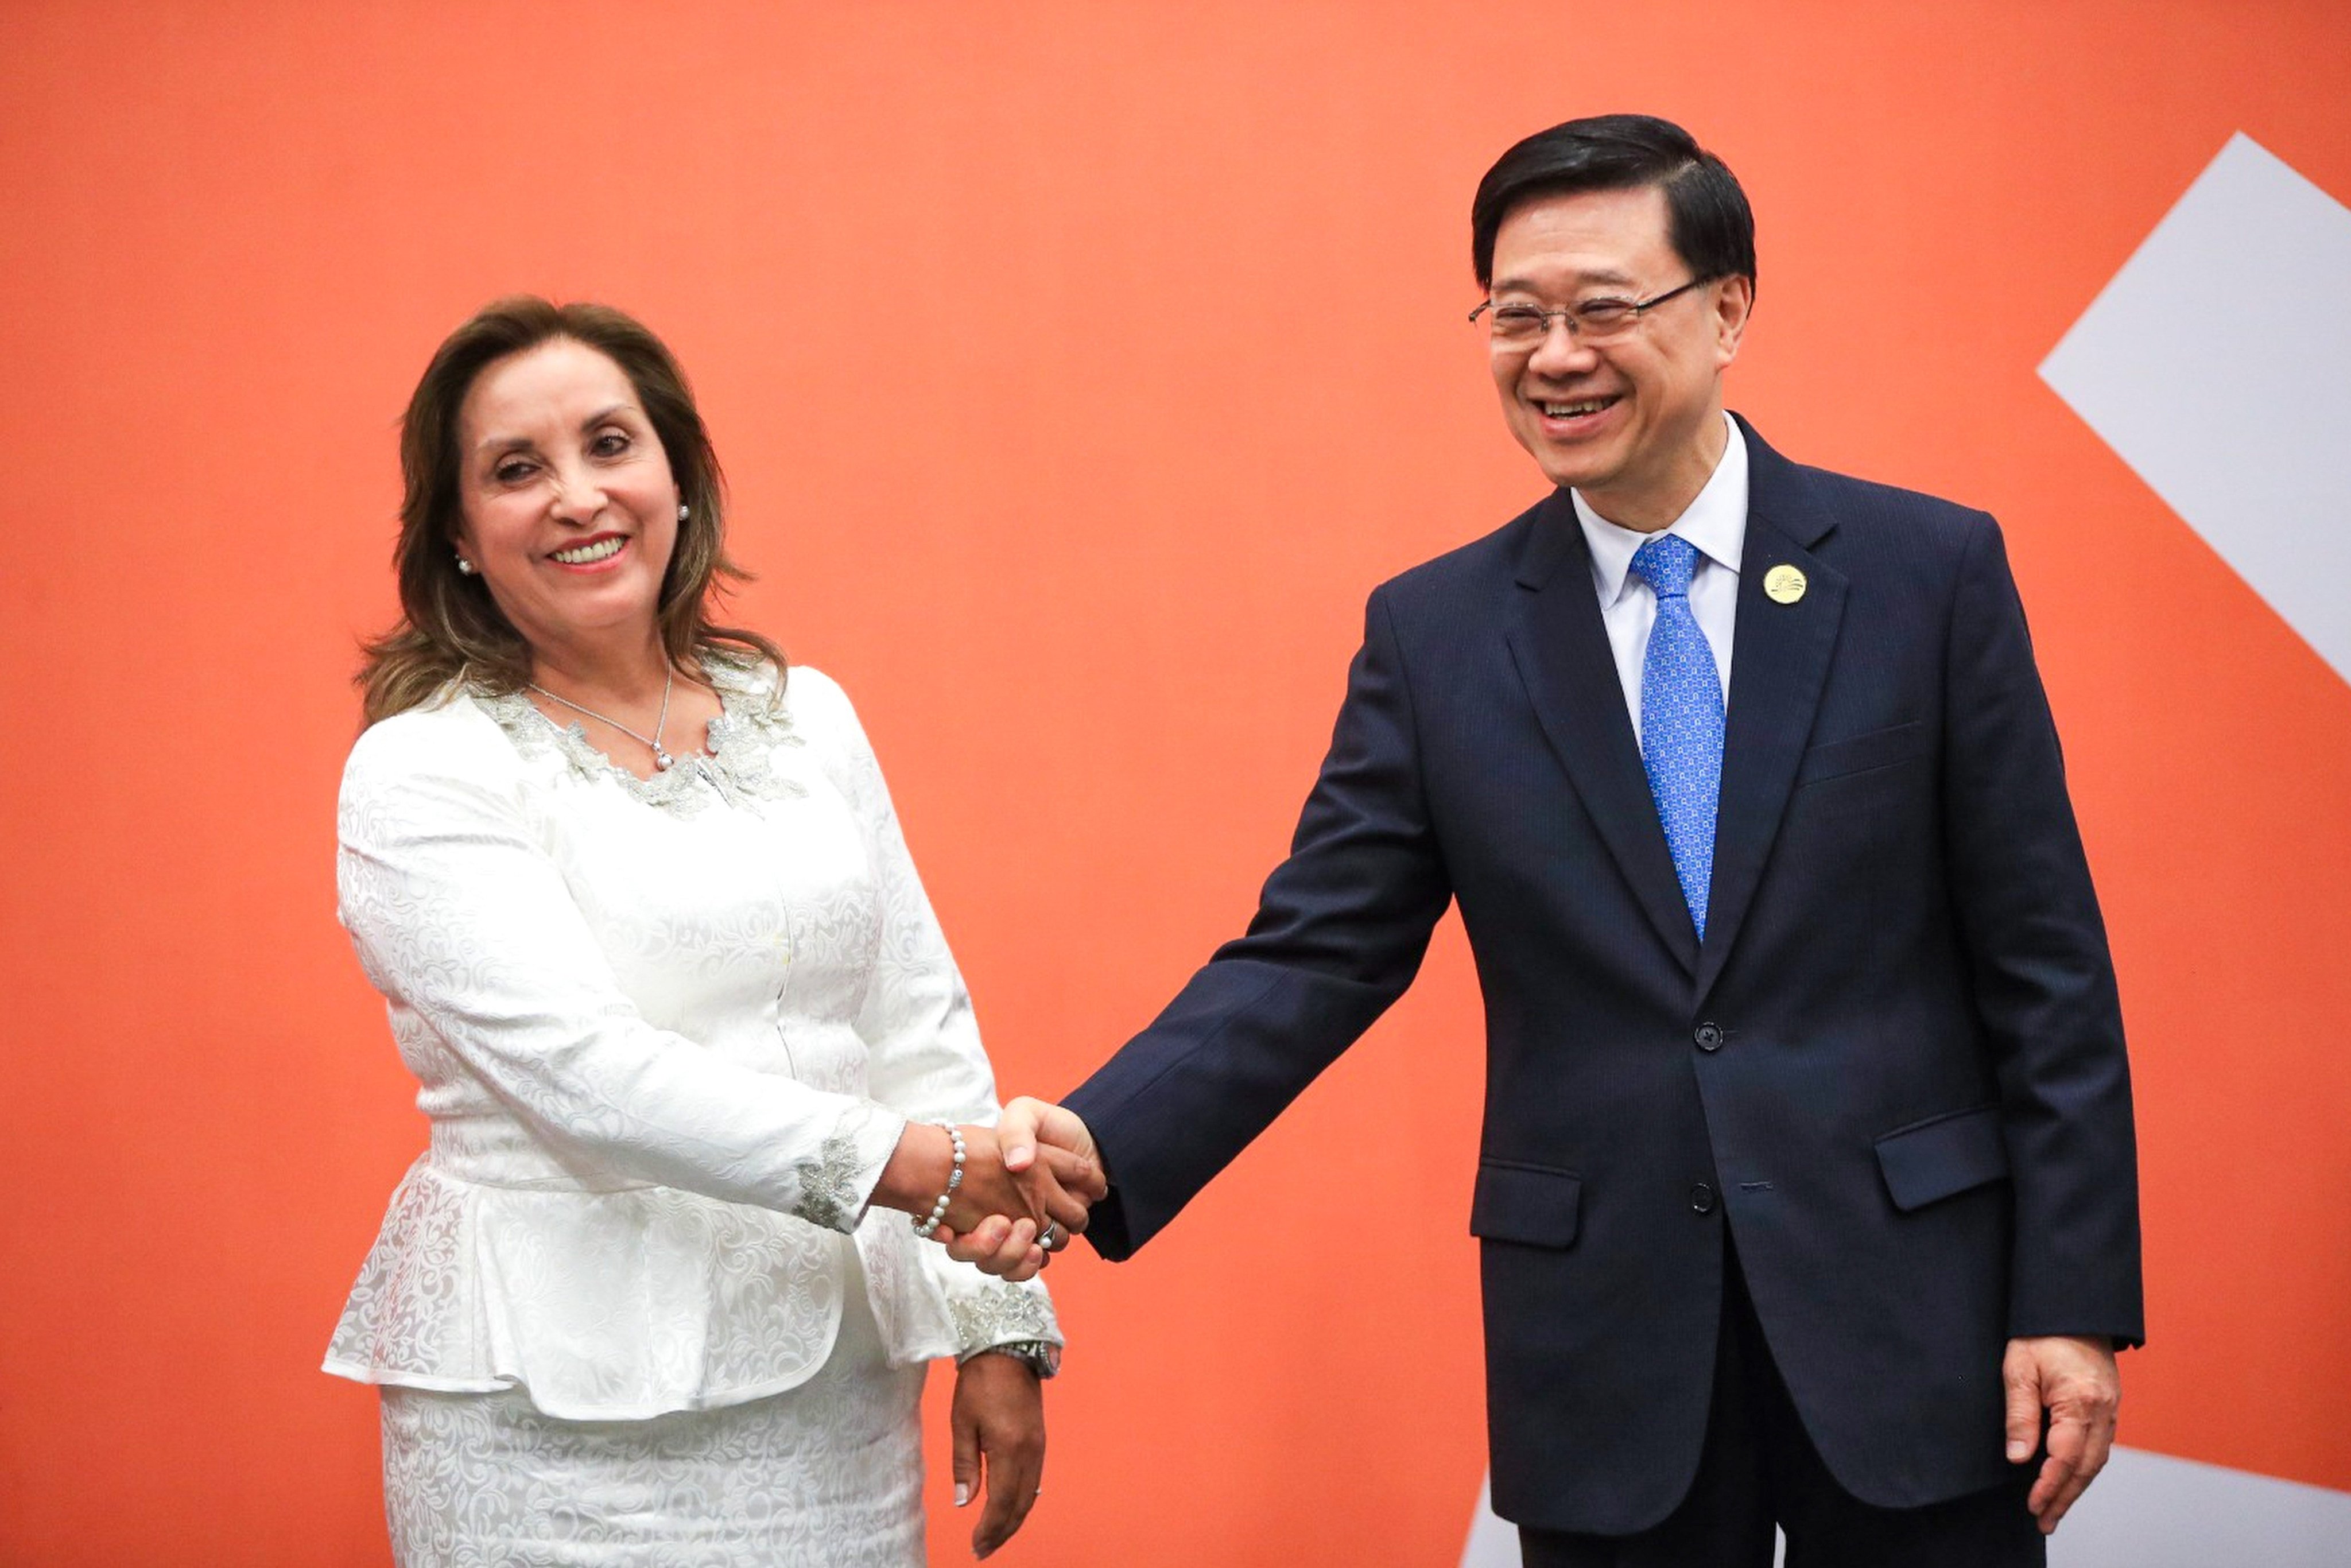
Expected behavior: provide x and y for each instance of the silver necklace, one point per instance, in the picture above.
(662, 759)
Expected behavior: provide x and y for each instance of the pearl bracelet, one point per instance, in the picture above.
(924, 1227)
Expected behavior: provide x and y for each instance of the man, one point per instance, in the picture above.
(1808, 1182)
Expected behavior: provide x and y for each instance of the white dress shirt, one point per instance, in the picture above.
(1715, 523)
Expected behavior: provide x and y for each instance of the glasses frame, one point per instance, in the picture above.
(1573, 314)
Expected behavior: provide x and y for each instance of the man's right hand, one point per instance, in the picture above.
(1069, 1170)
(1019, 1216)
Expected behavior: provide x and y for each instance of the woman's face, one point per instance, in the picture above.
(569, 508)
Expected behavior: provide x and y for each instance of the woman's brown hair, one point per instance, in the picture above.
(449, 626)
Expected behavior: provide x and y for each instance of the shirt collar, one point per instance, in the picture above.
(1715, 522)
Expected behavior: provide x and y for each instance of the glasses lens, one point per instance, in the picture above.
(1517, 323)
(1604, 317)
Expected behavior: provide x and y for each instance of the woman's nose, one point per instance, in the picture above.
(577, 495)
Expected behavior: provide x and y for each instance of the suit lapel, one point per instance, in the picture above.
(1561, 652)
(1778, 668)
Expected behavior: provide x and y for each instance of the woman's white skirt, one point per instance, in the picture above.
(827, 1475)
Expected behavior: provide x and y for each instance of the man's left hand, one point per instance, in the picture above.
(2073, 1378)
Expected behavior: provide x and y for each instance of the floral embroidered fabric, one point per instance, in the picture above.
(667, 1032)
(734, 765)
(828, 1475)
(1007, 1317)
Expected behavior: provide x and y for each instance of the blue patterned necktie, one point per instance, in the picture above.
(1681, 719)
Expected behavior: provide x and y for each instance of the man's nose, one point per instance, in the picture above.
(1561, 350)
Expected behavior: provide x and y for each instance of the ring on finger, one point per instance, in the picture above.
(1051, 1236)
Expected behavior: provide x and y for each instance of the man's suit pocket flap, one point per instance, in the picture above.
(1942, 1154)
(1860, 753)
(1534, 1204)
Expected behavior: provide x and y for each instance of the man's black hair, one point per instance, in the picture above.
(1710, 227)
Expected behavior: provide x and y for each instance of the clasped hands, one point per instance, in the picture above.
(1028, 1185)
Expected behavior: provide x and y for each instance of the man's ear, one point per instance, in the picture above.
(1734, 301)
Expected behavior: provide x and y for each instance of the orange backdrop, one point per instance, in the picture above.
(1078, 368)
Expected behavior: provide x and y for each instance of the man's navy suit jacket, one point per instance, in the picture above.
(1894, 1068)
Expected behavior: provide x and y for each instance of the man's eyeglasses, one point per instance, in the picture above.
(1591, 321)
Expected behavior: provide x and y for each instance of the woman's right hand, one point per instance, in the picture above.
(993, 1218)
(1073, 1183)
(1052, 1155)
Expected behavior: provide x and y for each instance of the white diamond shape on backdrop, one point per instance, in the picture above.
(2218, 365)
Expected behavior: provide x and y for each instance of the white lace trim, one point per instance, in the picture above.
(1004, 1315)
(833, 1182)
(738, 763)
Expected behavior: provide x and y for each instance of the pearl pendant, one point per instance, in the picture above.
(661, 760)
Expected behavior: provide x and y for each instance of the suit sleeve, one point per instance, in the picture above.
(2043, 978)
(1341, 929)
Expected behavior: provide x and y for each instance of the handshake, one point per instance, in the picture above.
(1027, 1187)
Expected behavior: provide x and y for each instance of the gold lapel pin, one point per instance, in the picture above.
(1783, 585)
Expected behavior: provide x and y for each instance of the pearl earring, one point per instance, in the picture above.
(683, 511)
(464, 567)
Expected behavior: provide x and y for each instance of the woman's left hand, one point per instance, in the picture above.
(998, 1422)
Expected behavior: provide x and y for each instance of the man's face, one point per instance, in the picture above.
(1633, 422)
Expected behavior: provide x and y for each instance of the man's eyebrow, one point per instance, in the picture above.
(1608, 277)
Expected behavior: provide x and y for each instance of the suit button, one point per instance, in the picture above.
(1709, 1036)
(1702, 1199)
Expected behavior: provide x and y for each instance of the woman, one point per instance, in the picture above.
(685, 1023)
